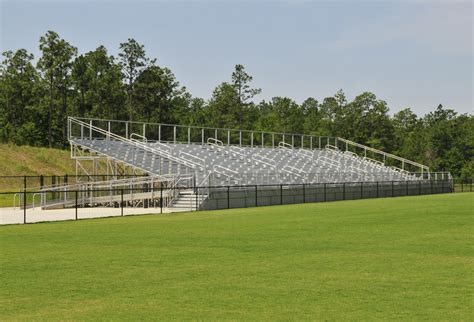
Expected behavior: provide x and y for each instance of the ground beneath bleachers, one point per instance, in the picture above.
(9, 215)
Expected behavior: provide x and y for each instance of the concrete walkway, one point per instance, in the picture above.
(16, 216)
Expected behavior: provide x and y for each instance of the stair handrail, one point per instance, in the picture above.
(325, 159)
(292, 170)
(144, 139)
(216, 144)
(230, 176)
(284, 145)
(163, 146)
(238, 151)
(400, 170)
(214, 141)
(192, 156)
(305, 154)
(267, 161)
(331, 147)
(173, 191)
(377, 162)
(135, 143)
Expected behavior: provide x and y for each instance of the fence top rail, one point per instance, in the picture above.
(403, 182)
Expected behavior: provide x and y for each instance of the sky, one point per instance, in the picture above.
(410, 53)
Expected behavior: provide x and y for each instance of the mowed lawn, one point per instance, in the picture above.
(407, 258)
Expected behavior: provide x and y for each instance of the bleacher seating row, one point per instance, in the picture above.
(216, 164)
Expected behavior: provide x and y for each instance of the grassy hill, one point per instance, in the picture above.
(27, 160)
(408, 258)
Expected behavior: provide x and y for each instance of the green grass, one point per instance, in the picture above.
(28, 160)
(405, 258)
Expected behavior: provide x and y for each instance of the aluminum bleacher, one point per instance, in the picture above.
(224, 157)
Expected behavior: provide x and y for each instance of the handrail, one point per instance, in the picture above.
(229, 176)
(135, 143)
(163, 146)
(385, 154)
(238, 151)
(399, 169)
(34, 195)
(203, 165)
(267, 161)
(284, 145)
(331, 147)
(194, 127)
(224, 168)
(357, 170)
(144, 139)
(352, 154)
(305, 153)
(174, 191)
(328, 160)
(115, 182)
(214, 141)
(205, 179)
(298, 171)
(19, 194)
(373, 161)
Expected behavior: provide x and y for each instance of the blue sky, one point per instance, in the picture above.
(414, 54)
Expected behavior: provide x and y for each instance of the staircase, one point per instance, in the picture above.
(187, 200)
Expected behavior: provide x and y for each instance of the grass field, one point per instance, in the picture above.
(33, 161)
(407, 258)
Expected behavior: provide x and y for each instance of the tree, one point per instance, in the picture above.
(132, 60)
(55, 65)
(155, 89)
(97, 81)
(312, 117)
(18, 97)
(241, 83)
(222, 107)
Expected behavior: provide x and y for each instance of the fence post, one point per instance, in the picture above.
(419, 187)
(377, 189)
(256, 201)
(24, 199)
(431, 186)
(41, 181)
(344, 191)
(304, 193)
(161, 198)
(121, 202)
(361, 190)
(75, 197)
(325, 199)
(462, 185)
(228, 197)
(392, 189)
(406, 192)
(281, 194)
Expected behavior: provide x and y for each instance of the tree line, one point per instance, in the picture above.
(36, 98)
